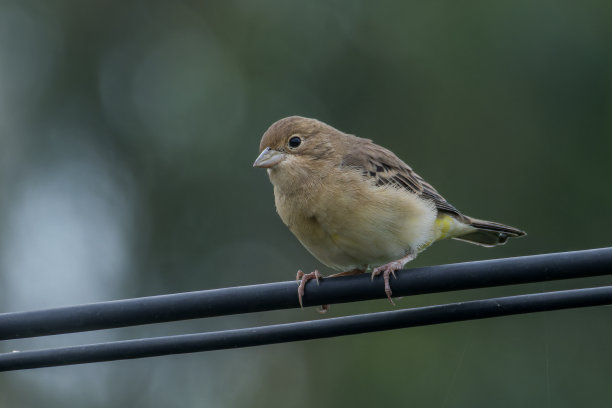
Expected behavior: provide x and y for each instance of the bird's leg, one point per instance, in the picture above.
(389, 269)
(303, 278)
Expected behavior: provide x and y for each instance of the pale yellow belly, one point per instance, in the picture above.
(350, 231)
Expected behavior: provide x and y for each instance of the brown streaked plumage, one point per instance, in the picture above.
(354, 204)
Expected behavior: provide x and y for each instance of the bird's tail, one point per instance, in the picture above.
(489, 233)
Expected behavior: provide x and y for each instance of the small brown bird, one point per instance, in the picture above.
(354, 204)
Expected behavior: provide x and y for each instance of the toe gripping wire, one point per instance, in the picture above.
(283, 295)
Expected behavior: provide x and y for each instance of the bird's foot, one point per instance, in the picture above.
(305, 277)
(301, 276)
(388, 270)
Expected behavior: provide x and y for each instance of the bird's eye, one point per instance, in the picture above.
(294, 142)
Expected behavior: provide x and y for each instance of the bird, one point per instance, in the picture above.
(355, 206)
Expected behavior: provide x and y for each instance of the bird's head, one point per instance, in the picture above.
(294, 148)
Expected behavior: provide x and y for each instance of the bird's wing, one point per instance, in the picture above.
(383, 167)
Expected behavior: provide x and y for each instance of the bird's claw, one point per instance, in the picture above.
(303, 278)
(387, 270)
(323, 309)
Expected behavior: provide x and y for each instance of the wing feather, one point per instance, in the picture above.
(383, 167)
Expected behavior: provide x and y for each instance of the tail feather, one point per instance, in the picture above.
(489, 233)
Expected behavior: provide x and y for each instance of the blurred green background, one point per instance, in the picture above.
(128, 130)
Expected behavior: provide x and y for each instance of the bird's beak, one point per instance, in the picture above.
(269, 158)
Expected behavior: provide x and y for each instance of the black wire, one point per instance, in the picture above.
(283, 295)
(339, 326)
